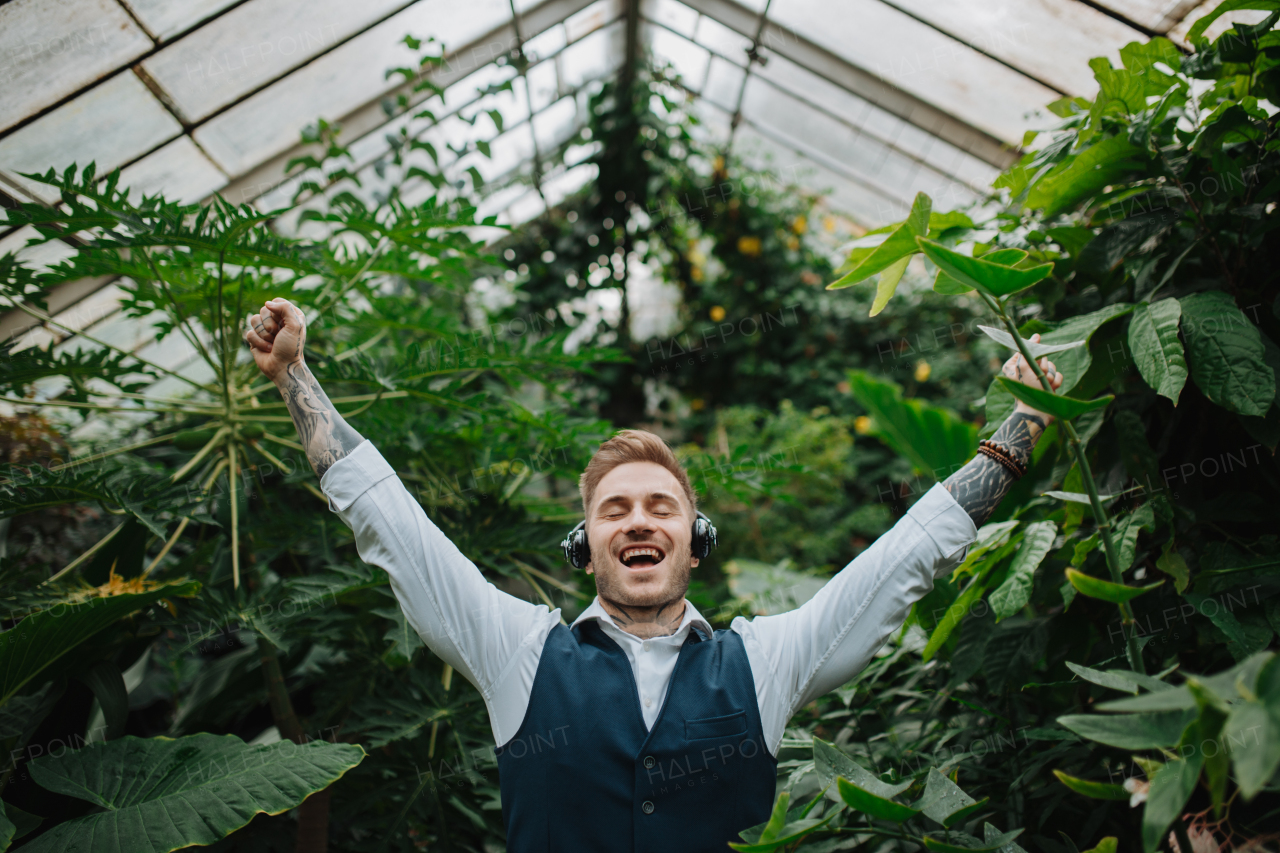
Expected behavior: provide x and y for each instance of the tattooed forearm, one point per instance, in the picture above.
(325, 435)
(980, 484)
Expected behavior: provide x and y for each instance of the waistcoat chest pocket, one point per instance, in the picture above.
(715, 727)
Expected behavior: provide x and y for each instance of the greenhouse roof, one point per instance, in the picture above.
(869, 101)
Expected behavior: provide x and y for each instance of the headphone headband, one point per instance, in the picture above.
(578, 552)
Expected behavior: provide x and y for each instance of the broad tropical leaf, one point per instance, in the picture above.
(934, 439)
(163, 794)
(946, 802)
(40, 641)
(1226, 353)
(1131, 731)
(894, 249)
(991, 278)
(861, 800)
(1053, 404)
(1012, 595)
(1153, 339)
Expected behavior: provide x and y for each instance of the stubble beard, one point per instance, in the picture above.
(609, 585)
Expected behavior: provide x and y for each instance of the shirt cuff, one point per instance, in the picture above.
(947, 524)
(353, 475)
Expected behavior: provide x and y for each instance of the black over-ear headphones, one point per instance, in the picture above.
(578, 553)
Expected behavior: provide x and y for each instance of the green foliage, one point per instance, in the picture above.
(201, 788)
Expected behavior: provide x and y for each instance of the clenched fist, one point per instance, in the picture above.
(276, 335)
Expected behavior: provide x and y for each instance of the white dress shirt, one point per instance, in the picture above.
(495, 640)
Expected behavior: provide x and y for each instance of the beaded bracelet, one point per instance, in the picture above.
(1002, 457)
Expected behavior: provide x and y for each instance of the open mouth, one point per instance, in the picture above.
(641, 556)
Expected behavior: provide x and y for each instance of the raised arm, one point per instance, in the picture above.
(798, 656)
(493, 639)
(276, 336)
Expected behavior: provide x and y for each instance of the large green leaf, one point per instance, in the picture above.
(1198, 28)
(1116, 593)
(1252, 733)
(946, 802)
(162, 794)
(1084, 174)
(900, 244)
(831, 763)
(948, 286)
(1074, 363)
(1227, 354)
(1119, 679)
(861, 800)
(1171, 787)
(42, 639)
(1153, 339)
(888, 284)
(1053, 404)
(991, 278)
(1012, 595)
(1131, 731)
(935, 440)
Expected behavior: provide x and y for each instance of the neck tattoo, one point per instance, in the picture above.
(662, 620)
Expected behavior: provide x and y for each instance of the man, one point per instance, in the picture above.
(638, 728)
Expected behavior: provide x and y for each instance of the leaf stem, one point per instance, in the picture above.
(86, 555)
(1086, 475)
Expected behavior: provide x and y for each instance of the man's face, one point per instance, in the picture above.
(640, 529)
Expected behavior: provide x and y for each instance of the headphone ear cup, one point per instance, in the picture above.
(704, 537)
(581, 551)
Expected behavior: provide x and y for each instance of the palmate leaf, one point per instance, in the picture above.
(20, 369)
(36, 646)
(934, 439)
(141, 491)
(163, 794)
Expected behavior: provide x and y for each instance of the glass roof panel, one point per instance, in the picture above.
(353, 74)
(721, 40)
(592, 18)
(44, 64)
(180, 170)
(918, 59)
(1051, 40)
(724, 82)
(252, 45)
(112, 124)
(1157, 15)
(688, 59)
(592, 57)
(167, 18)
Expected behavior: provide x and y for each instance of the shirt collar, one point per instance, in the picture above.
(691, 617)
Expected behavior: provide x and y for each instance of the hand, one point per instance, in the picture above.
(1018, 369)
(276, 335)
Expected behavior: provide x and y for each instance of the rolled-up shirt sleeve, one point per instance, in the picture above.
(802, 654)
(491, 638)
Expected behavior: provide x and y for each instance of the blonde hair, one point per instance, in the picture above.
(632, 445)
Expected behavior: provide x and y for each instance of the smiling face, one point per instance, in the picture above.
(640, 528)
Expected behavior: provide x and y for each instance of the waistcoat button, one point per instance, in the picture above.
(646, 807)
(649, 762)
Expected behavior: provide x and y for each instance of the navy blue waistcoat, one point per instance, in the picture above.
(583, 775)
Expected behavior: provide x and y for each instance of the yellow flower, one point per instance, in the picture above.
(696, 273)
(862, 425)
(800, 225)
(717, 313)
(922, 371)
(749, 246)
(697, 404)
